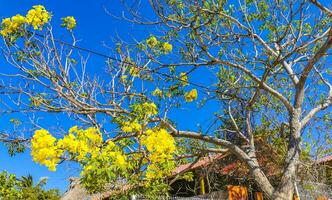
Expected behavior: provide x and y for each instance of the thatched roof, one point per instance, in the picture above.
(77, 192)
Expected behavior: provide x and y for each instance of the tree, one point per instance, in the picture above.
(264, 66)
(12, 188)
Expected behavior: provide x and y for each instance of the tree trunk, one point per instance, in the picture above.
(258, 175)
(262, 181)
(285, 190)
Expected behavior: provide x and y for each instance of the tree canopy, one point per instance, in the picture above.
(262, 67)
(12, 188)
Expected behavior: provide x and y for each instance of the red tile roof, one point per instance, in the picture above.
(324, 159)
(228, 168)
(204, 162)
(225, 170)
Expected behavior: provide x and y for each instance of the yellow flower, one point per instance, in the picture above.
(152, 41)
(93, 135)
(52, 167)
(6, 22)
(184, 79)
(69, 143)
(128, 127)
(153, 172)
(12, 25)
(134, 71)
(159, 140)
(161, 147)
(78, 144)
(167, 47)
(120, 160)
(157, 92)
(150, 108)
(69, 22)
(123, 78)
(19, 19)
(73, 129)
(44, 149)
(110, 157)
(190, 96)
(38, 17)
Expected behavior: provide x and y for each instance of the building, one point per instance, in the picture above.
(222, 176)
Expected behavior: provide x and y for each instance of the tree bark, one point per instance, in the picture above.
(285, 189)
(260, 178)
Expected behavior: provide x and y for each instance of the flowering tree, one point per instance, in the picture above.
(139, 149)
(257, 59)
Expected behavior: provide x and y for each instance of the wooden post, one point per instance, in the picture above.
(202, 183)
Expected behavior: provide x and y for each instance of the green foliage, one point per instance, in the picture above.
(12, 188)
(15, 148)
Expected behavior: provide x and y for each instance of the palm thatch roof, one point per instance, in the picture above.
(77, 192)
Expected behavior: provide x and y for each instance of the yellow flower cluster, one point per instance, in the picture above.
(143, 110)
(152, 41)
(11, 25)
(157, 93)
(44, 149)
(69, 22)
(119, 159)
(128, 127)
(123, 78)
(38, 17)
(183, 78)
(167, 47)
(153, 172)
(159, 142)
(82, 145)
(79, 143)
(110, 154)
(191, 96)
(150, 108)
(140, 111)
(161, 147)
(134, 71)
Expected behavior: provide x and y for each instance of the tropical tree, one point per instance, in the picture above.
(262, 66)
(12, 188)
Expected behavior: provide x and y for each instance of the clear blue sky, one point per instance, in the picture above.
(94, 27)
